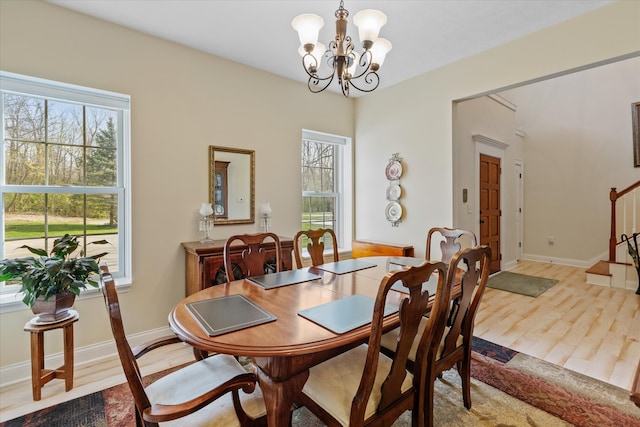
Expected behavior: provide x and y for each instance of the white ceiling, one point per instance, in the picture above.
(425, 34)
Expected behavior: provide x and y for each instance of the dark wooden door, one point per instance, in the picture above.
(490, 208)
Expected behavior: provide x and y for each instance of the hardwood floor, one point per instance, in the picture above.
(586, 328)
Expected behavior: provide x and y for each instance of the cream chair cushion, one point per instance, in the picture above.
(390, 340)
(195, 380)
(334, 383)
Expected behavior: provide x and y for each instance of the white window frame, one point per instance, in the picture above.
(41, 88)
(343, 176)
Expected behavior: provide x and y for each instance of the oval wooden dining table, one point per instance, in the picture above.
(283, 350)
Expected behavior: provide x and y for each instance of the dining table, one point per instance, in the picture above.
(287, 344)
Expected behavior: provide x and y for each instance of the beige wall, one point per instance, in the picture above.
(414, 118)
(182, 101)
(582, 120)
(574, 143)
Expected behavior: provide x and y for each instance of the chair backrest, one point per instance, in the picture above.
(450, 243)
(411, 312)
(254, 256)
(315, 246)
(475, 264)
(129, 363)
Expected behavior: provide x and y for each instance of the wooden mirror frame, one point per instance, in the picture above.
(212, 169)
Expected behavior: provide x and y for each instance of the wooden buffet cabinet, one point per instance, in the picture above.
(204, 262)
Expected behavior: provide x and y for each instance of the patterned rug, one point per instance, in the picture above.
(522, 284)
(508, 389)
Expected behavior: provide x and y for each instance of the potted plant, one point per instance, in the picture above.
(51, 282)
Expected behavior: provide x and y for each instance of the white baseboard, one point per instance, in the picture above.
(561, 261)
(21, 371)
(508, 265)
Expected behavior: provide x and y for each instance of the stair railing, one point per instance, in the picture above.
(629, 194)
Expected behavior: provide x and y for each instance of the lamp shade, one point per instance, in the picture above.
(379, 51)
(265, 209)
(369, 22)
(206, 209)
(308, 26)
(318, 51)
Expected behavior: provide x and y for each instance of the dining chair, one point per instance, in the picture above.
(315, 246)
(455, 345)
(210, 392)
(254, 256)
(362, 386)
(450, 242)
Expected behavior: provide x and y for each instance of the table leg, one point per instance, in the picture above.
(68, 357)
(37, 363)
(279, 396)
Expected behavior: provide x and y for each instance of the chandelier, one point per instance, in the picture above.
(352, 69)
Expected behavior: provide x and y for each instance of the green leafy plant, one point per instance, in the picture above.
(55, 272)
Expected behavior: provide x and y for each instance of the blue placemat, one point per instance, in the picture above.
(345, 314)
(430, 285)
(283, 278)
(408, 261)
(345, 266)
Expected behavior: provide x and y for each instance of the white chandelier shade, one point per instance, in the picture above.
(308, 27)
(379, 51)
(314, 58)
(369, 22)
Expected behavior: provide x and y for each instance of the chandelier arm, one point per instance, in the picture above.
(371, 78)
(365, 64)
(315, 64)
(315, 86)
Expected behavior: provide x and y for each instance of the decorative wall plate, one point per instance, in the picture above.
(394, 170)
(219, 210)
(394, 191)
(393, 212)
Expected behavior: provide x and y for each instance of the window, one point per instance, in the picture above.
(327, 184)
(64, 170)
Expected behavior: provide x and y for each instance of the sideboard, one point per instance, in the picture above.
(204, 262)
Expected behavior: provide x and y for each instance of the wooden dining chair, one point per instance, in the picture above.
(254, 257)
(455, 345)
(364, 387)
(210, 392)
(450, 241)
(316, 245)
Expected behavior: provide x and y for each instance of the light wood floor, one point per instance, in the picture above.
(585, 328)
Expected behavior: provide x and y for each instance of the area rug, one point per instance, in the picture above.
(507, 389)
(522, 284)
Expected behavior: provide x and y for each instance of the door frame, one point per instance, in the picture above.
(494, 148)
(519, 175)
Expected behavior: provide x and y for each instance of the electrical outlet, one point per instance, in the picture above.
(551, 240)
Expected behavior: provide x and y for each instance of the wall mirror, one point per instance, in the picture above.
(231, 185)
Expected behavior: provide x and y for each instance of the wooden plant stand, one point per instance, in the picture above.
(39, 375)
